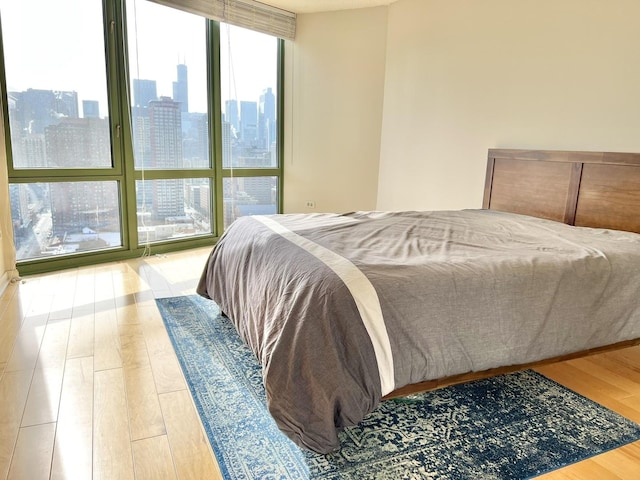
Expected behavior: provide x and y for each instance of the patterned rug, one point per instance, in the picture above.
(508, 427)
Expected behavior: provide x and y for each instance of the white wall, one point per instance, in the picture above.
(463, 76)
(333, 110)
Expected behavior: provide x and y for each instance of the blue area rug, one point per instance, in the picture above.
(513, 426)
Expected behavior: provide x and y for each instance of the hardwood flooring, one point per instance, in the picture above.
(90, 386)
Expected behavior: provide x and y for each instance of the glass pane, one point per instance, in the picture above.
(167, 65)
(249, 196)
(64, 217)
(56, 84)
(170, 209)
(248, 71)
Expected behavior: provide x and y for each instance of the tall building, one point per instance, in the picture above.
(47, 131)
(141, 141)
(36, 109)
(165, 136)
(249, 123)
(144, 91)
(231, 113)
(20, 201)
(78, 205)
(90, 109)
(266, 119)
(227, 146)
(181, 88)
(205, 199)
(66, 104)
(78, 142)
(30, 151)
(195, 139)
(262, 190)
(165, 133)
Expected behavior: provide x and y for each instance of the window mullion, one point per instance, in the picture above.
(117, 81)
(215, 125)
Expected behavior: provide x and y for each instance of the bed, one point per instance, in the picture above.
(346, 310)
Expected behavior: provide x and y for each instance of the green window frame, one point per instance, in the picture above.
(123, 169)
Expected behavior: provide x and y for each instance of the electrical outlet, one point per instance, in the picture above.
(311, 204)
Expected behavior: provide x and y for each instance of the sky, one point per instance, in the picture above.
(41, 51)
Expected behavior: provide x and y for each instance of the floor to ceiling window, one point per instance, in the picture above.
(249, 123)
(65, 197)
(133, 125)
(170, 124)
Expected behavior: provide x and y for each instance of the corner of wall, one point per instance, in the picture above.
(333, 121)
(7, 249)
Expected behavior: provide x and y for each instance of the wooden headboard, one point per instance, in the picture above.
(589, 189)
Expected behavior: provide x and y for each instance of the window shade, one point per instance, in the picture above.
(242, 13)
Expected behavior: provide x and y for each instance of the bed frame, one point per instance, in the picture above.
(588, 189)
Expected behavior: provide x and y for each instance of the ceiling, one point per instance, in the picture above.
(310, 6)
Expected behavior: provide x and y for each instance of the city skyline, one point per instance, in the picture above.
(36, 111)
(48, 132)
(57, 94)
(158, 34)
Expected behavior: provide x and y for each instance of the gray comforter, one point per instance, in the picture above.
(342, 309)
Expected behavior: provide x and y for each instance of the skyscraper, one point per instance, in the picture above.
(37, 109)
(90, 109)
(66, 103)
(248, 123)
(181, 88)
(195, 139)
(165, 135)
(144, 91)
(231, 110)
(227, 151)
(46, 130)
(266, 119)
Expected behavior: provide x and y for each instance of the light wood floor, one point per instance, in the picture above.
(90, 386)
